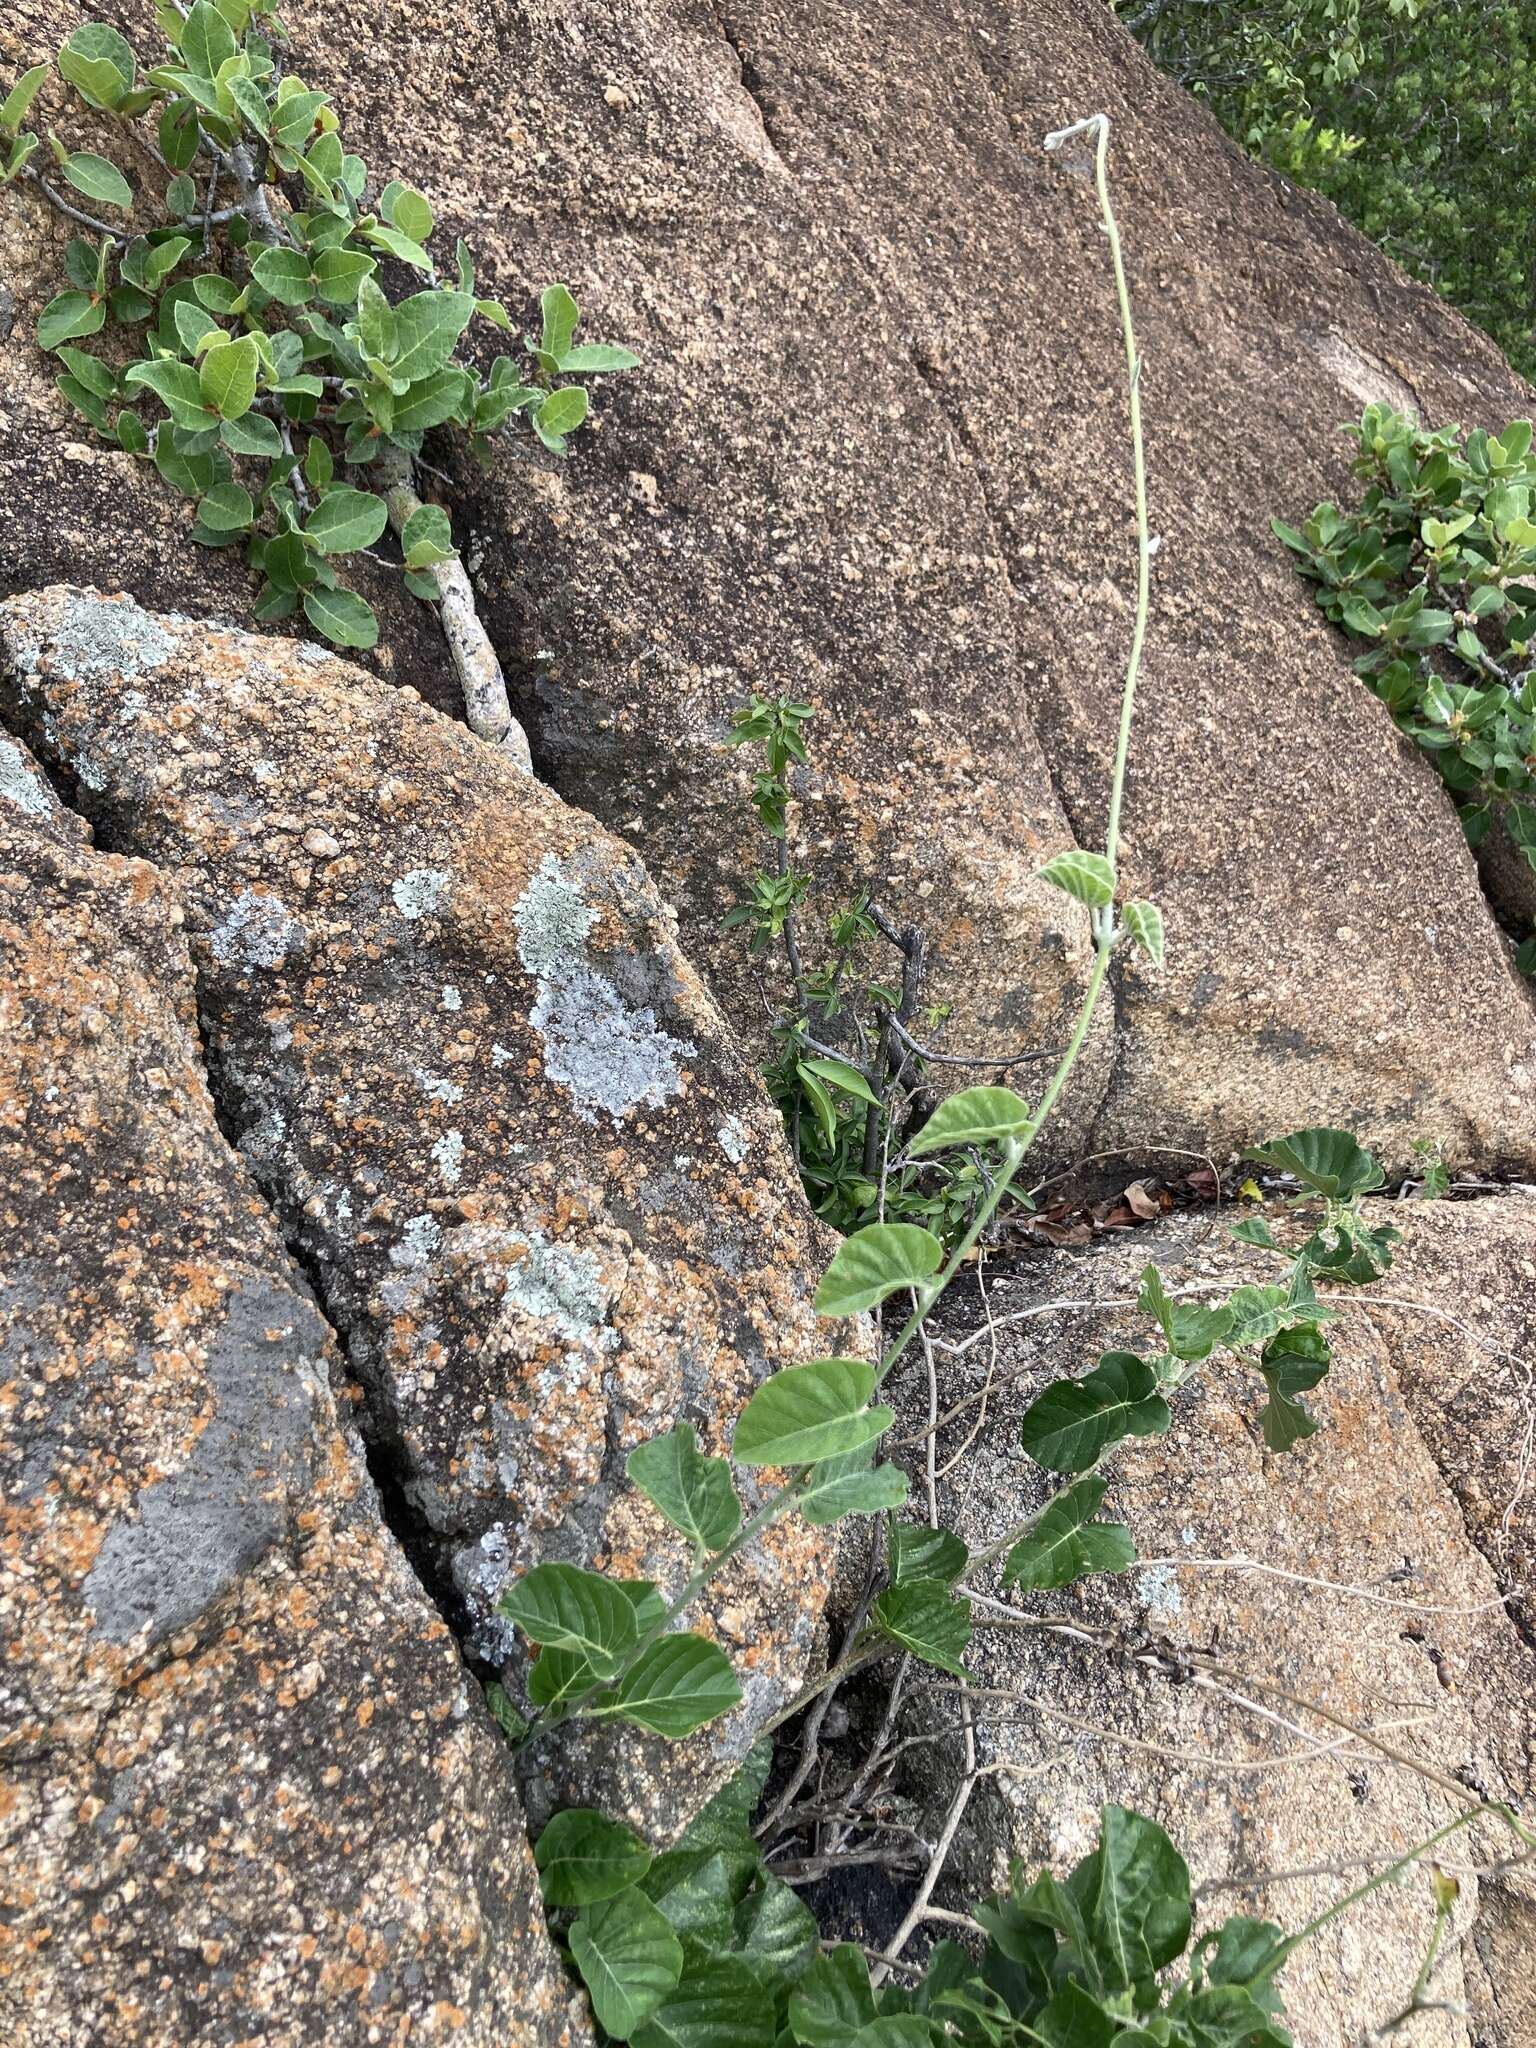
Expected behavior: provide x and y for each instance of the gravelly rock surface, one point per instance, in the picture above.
(541, 1194)
(1381, 1568)
(247, 1789)
(876, 456)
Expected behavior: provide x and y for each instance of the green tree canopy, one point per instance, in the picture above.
(1417, 118)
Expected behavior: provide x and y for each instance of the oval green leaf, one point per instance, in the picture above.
(69, 317)
(629, 1960)
(346, 519)
(345, 619)
(227, 376)
(809, 1412)
(876, 1262)
(584, 1858)
(677, 1685)
(976, 1116)
(562, 412)
(1087, 876)
(98, 179)
(227, 508)
(563, 1607)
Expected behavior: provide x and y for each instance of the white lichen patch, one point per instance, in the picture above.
(501, 1055)
(452, 1000)
(421, 892)
(611, 1054)
(733, 1140)
(437, 1088)
(563, 1287)
(19, 785)
(256, 931)
(448, 1157)
(1158, 1590)
(418, 1241)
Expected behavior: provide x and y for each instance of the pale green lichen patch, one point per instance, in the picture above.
(19, 785)
(610, 1053)
(553, 920)
(421, 892)
(91, 636)
(562, 1286)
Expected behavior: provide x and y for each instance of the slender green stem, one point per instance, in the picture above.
(1015, 1149)
(1105, 938)
(1293, 1942)
(1139, 462)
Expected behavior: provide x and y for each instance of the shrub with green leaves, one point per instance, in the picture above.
(262, 357)
(1435, 572)
(703, 1947)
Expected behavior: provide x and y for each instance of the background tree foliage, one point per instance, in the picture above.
(1417, 118)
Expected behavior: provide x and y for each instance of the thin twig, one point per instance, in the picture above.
(71, 212)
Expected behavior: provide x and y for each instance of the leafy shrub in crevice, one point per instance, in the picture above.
(1435, 572)
(274, 376)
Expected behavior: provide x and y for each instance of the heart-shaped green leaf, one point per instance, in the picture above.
(1327, 1160)
(809, 1412)
(1066, 1543)
(875, 1262)
(676, 1686)
(563, 1607)
(628, 1957)
(1071, 1425)
(925, 1618)
(692, 1491)
(1087, 876)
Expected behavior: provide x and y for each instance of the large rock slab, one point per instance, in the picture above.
(540, 1193)
(1345, 1572)
(877, 457)
(1457, 1314)
(247, 1789)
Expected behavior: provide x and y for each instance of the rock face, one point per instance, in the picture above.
(1352, 1571)
(1467, 1368)
(876, 456)
(246, 1787)
(541, 1195)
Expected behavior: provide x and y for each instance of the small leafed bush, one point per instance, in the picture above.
(703, 1947)
(1435, 572)
(274, 371)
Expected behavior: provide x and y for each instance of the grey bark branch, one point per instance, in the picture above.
(484, 686)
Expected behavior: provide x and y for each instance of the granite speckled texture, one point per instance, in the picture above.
(247, 1789)
(541, 1193)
